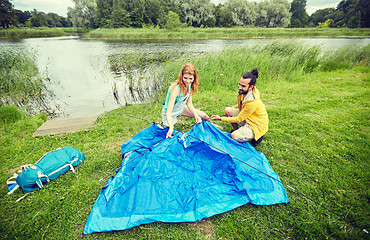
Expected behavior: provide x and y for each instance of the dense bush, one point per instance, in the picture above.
(9, 114)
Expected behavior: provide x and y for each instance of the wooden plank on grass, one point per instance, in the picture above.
(54, 127)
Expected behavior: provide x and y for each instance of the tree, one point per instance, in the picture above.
(197, 12)
(38, 19)
(348, 13)
(299, 17)
(364, 8)
(156, 11)
(244, 12)
(7, 14)
(269, 13)
(321, 15)
(173, 20)
(136, 9)
(352, 13)
(65, 22)
(120, 17)
(329, 22)
(53, 20)
(278, 14)
(83, 13)
(22, 17)
(104, 9)
(354, 21)
(263, 14)
(224, 16)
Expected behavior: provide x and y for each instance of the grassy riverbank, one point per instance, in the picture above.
(318, 143)
(188, 33)
(236, 32)
(38, 32)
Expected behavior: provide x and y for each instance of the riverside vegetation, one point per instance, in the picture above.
(39, 32)
(318, 143)
(189, 32)
(20, 80)
(234, 32)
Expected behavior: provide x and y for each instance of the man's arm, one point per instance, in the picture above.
(247, 110)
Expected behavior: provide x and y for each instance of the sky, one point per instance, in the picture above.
(60, 6)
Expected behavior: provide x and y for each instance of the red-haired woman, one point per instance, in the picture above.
(179, 99)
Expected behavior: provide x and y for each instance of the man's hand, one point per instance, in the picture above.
(216, 117)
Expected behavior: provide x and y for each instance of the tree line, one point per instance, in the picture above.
(348, 13)
(17, 18)
(195, 13)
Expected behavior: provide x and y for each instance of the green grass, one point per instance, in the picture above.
(318, 143)
(38, 32)
(235, 32)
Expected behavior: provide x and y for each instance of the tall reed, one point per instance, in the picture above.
(276, 61)
(129, 60)
(235, 32)
(19, 77)
(36, 32)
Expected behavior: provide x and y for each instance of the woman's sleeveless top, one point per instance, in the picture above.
(179, 106)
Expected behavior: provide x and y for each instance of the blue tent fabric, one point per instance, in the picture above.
(183, 179)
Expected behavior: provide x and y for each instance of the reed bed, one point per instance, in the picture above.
(277, 61)
(129, 61)
(235, 32)
(37, 32)
(20, 79)
(189, 32)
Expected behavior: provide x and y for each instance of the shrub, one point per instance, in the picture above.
(9, 114)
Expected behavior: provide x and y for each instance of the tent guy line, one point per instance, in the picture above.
(288, 186)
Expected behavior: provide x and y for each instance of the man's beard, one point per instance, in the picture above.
(242, 92)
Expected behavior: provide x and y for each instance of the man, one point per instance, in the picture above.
(249, 117)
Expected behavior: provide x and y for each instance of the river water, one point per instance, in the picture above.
(83, 84)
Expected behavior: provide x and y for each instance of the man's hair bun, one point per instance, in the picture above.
(255, 72)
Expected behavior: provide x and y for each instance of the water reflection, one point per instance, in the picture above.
(84, 85)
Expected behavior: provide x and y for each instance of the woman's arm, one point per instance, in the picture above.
(192, 109)
(174, 93)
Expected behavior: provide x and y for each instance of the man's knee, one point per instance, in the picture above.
(228, 112)
(236, 137)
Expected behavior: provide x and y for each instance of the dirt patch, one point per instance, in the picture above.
(204, 228)
(14, 170)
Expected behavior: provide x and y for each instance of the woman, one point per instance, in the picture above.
(179, 99)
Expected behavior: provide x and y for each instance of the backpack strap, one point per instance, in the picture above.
(11, 181)
(41, 175)
(73, 161)
(21, 198)
(68, 164)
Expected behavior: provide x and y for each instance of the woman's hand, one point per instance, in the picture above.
(198, 119)
(216, 117)
(169, 132)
